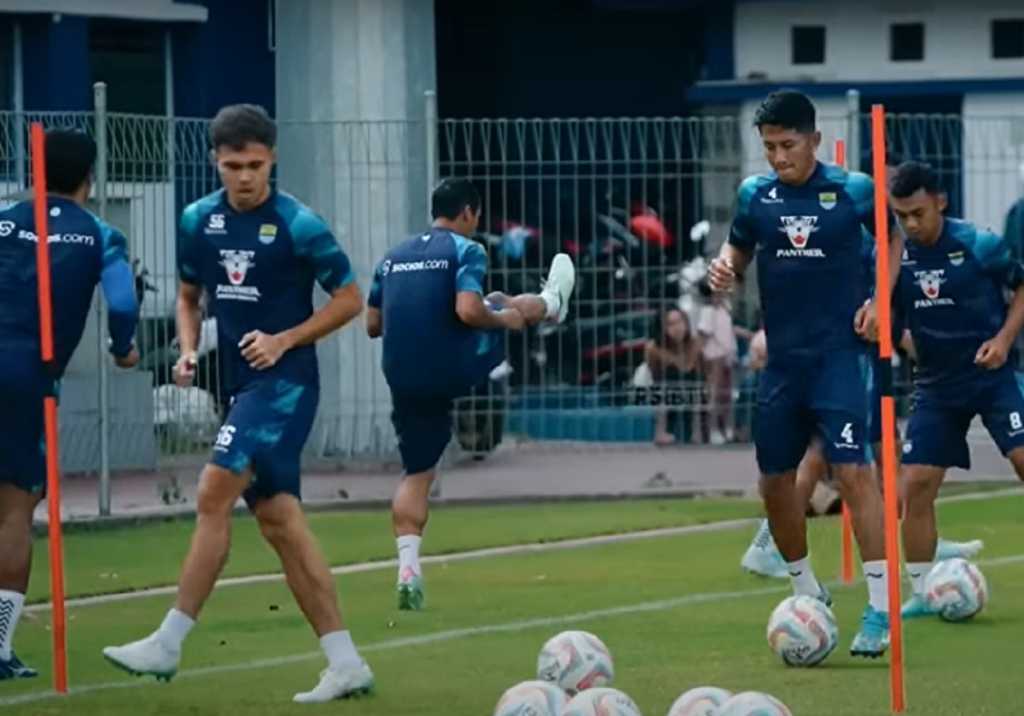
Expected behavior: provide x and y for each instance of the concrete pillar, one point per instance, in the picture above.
(350, 78)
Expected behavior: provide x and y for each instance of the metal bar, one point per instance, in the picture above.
(100, 108)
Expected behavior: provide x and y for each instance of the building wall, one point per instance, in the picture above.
(957, 43)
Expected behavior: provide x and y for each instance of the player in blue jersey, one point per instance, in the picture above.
(442, 338)
(806, 221)
(256, 253)
(951, 293)
(84, 251)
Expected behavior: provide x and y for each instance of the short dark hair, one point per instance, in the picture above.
(70, 156)
(910, 177)
(452, 196)
(239, 124)
(788, 109)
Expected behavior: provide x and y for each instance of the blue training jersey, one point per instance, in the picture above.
(257, 268)
(428, 351)
(811, 270)
(952, 297)
(84, 251)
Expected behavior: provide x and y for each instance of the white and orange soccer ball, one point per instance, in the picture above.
(601, 702)
(701, 701)
(753, 703)
(802, 631)
(576, 661)
(532, 698)
(956, 589)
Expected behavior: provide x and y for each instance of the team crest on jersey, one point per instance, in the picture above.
(799, 229)
(828, 200)
(268, 232)
(930, 283)
(237, 265)
(956, 258)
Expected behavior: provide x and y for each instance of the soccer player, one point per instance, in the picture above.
(951, 294)
(807, 219)
(256, 253)
(84, 251)
(442, 337)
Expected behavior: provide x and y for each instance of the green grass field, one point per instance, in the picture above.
(675, 611)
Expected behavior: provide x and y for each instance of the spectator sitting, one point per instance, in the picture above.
(673, 357)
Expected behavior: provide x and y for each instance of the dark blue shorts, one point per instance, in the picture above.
(266, 428)
(824, 394)
(424, 427)
(23, 386)
(941, 418)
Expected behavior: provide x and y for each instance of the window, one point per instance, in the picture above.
(1007, 39)
(906, 42)
(129, 57)
(808, 45)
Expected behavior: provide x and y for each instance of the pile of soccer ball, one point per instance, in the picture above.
(574, 674)
(802, 631)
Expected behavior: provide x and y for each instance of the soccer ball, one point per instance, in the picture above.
(702, 701)
(532, 698)
(802, 631)
(601, 702)
(956, 589)
(753, 703)
(575, 660)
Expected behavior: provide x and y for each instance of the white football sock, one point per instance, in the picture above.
(918, 572)
(553, 302)
(802, 577)
(174, 629)
(409, 554)
(340, 650)
(11, 605)
(877, 575)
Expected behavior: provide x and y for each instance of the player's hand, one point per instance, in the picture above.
(262, 350)
(512, 319)
(865, 322)
(128, 361)
(721, 275)
(992, 354)
(185, 370)
(496, 300)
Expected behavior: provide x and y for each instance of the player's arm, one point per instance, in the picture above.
(738, 250)
(188, 312)
(993, 253)
(374, 302)
(314, 243)
(118, 286)
(469, 293)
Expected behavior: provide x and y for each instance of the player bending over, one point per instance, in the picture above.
(951, 295)
(441, 339)
(84, 251)
(805, 220)
(255, 252)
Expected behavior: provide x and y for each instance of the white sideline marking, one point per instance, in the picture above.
(450, 635)
(509, 550)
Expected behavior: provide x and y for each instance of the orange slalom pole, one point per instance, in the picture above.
(60, 660)
(846, 555)
(883, 297)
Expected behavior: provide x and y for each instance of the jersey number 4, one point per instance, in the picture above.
(847, 433)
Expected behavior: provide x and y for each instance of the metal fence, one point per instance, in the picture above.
(639, 203)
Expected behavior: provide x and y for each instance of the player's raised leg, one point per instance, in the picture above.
(159, 653)
(284, 526)
(762, 556)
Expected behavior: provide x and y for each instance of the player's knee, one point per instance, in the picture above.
(919, 489)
